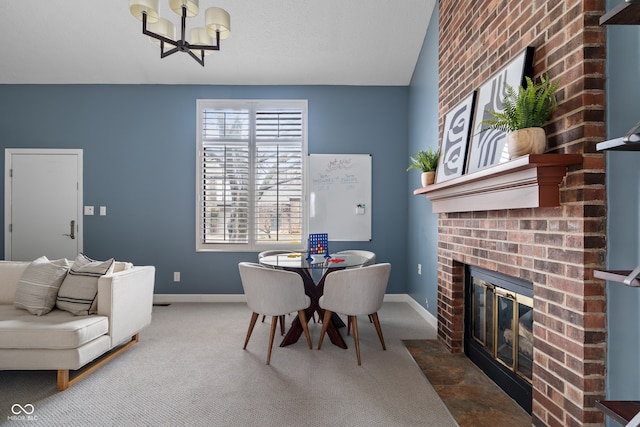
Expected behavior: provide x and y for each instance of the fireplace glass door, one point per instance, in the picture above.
(503, 325)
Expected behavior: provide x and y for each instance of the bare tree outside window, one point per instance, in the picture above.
(252, 174)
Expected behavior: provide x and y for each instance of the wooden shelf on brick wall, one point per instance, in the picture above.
(617, 144)
(620, 410)
(623, 14)
(616, 276)
(526, 182)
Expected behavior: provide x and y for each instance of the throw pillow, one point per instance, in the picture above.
(79, 289)
(11, 273)
(38, 286)
(121, 266)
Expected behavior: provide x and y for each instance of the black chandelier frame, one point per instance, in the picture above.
(180, 45)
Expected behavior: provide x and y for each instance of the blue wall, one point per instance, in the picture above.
(423, 133)
(623, 222)
(139, 161)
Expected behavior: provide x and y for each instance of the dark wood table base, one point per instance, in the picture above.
(315, 292)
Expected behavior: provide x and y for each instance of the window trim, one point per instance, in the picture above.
(253, 245)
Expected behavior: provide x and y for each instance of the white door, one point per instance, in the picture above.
(43, 204)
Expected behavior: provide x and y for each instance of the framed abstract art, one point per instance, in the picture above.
(455, 139)
(488, 147)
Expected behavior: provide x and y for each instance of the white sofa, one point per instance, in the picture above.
(63, 341)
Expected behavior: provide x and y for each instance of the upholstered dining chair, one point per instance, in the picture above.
(370, 256)
(355, 292)
(280, 252)
(371, 259)
(273, 293)
(269, 253)
(273, 252)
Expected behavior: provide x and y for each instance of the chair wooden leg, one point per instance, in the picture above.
(254, 318)
(274, 322)
(376, 322)
(263, 317)
(303, 321)
(281, 324)
(349, 325)
(325, 325)
(356, 339)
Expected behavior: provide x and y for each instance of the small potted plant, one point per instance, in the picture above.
(425, 161)
(525, 111)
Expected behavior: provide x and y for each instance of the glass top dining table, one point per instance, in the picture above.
(299, 263)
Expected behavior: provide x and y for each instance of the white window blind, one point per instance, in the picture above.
(251, 175)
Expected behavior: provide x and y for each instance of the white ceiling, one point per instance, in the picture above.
(273, 42)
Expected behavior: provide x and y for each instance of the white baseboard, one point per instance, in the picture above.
(176, 298)
(426, 315)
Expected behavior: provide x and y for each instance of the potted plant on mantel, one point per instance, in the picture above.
(426, 161)
(525, 111)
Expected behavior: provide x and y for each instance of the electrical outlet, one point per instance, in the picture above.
(176, 276)
(426, 301)
(419, 268)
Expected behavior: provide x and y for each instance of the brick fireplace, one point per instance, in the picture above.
(555, 248)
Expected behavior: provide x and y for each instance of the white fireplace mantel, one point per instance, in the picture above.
(526, 182)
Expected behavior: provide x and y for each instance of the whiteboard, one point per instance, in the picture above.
(340, 196)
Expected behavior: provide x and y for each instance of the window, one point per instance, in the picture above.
(251, 175)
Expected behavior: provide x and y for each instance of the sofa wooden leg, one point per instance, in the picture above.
(65, 381)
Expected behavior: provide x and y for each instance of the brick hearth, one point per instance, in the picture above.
(555, 248)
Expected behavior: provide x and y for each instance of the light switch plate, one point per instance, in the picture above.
(103, 210)
(88, 210)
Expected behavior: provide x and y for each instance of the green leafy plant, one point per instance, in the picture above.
(426, 161)
(527, 107)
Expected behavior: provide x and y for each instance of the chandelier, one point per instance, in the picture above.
(162, 31)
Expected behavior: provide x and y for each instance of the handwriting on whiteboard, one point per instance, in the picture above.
(340, 164)
(324, 181)
(349, 179)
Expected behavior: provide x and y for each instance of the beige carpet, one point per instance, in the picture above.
(189, 369)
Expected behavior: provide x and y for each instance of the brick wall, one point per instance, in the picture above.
(555, 248)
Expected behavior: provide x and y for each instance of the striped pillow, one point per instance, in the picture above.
(79, 289)
(38, 287)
